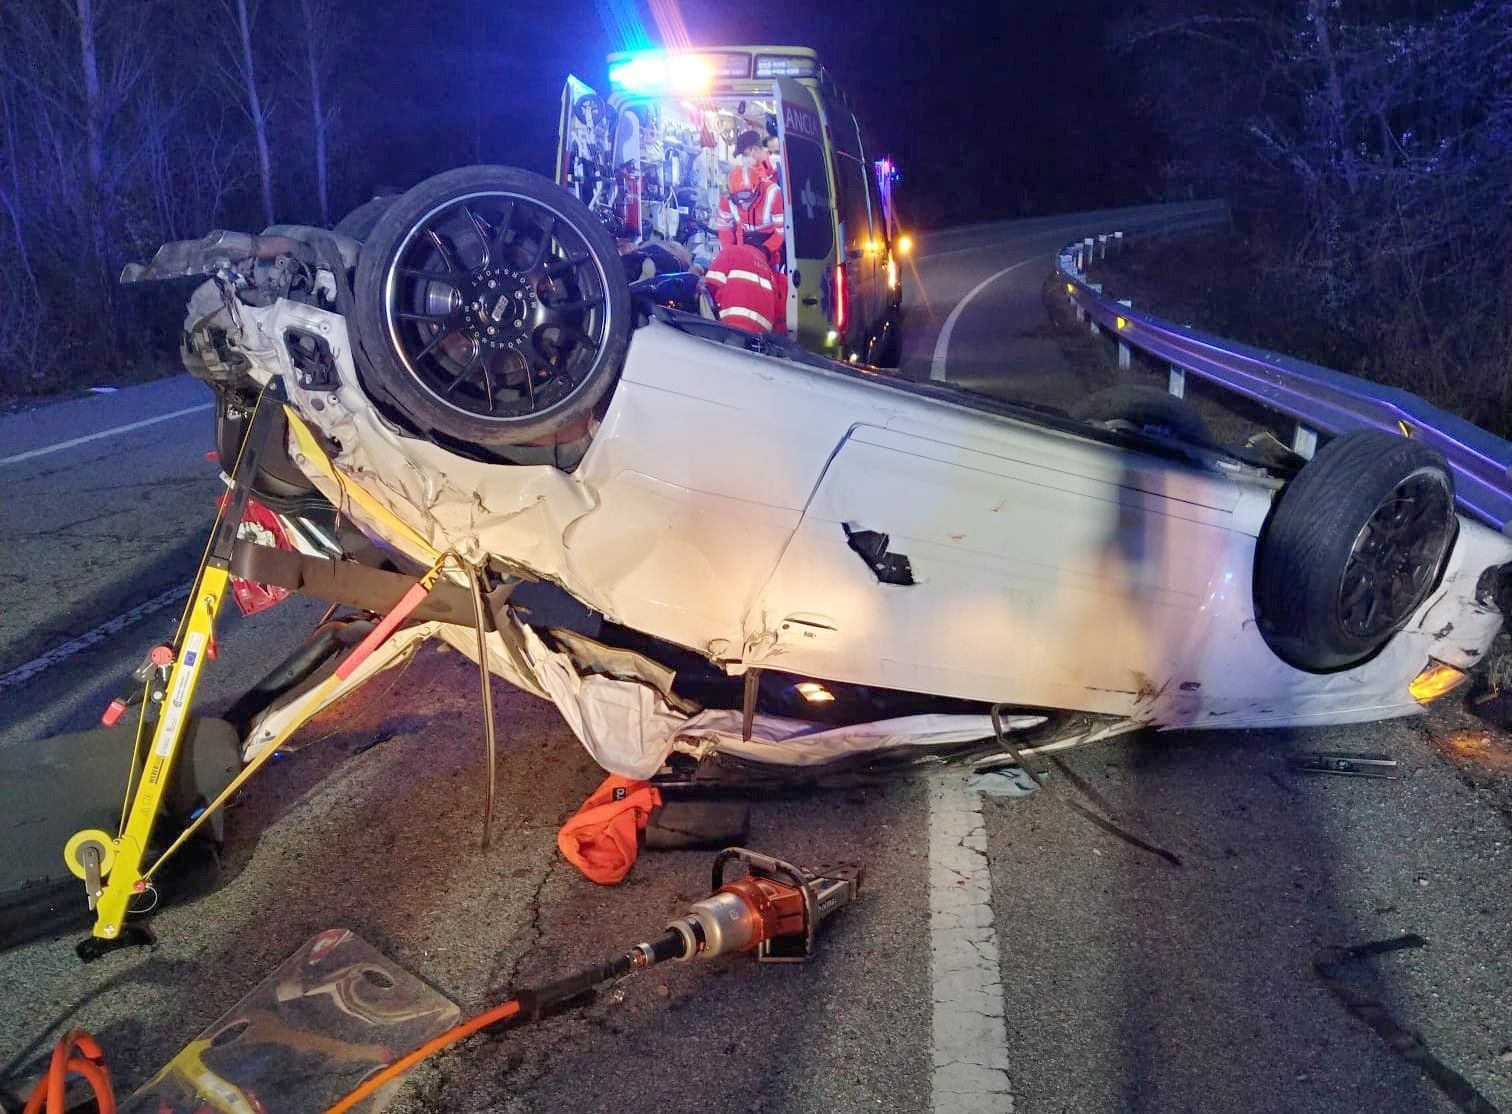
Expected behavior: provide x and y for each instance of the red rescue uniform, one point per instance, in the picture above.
(747, 292)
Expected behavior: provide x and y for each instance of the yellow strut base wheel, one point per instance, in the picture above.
(73, 851)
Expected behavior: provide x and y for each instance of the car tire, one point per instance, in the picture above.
(1354, 545)
(358, 224)
(1145, 410)
(491, 309)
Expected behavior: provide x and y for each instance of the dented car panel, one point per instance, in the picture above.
(720, 500)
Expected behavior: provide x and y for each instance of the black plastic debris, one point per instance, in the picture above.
(890, 568)
(697, 825)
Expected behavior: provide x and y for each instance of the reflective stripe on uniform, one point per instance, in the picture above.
(772, 205)
(747, 315)
(750, 276)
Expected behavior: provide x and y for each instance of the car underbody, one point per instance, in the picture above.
(735, 506)
(1020, 563)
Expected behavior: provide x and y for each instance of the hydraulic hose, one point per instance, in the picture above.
(525, 1007)
(373, 1082)
(89, 1063)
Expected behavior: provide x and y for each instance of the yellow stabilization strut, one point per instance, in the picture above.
(111, 866)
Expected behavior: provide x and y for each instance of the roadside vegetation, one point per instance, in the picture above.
(113, 138)
(1366, 149)
(1367, 152)
(126, 123)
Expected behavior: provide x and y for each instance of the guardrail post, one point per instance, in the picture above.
(1087, 249)
(1092, 326)
(1177, 383)
(1123, 348)
(1102, 247)
(1118, 240)
(1305, 441)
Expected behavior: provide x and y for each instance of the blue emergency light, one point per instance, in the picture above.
(659, 71)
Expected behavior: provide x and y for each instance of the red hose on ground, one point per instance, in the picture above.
(90, 1063)
(429, 1048)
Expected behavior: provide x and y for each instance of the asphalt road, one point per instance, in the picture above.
(1114, 981)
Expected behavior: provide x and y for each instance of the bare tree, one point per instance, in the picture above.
(241, 74)
(107, 146)
(320, 31)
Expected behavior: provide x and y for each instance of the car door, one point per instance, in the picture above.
(977, 557)
(809, 198)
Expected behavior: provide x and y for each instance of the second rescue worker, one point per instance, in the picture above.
(746, 278)
(753, 212)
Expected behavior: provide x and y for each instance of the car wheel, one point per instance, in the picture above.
(1353, 547)
(491, 308)
(1145, 410)
(358, 224)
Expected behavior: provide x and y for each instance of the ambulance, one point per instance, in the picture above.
(652, 160)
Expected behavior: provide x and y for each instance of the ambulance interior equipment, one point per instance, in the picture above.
(654, 169)
(652, 161)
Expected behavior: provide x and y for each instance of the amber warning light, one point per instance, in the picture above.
(1436, 679)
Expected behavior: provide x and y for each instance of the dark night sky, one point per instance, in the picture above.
(992, 109)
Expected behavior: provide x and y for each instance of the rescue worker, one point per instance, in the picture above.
(735, 205)
(745, 290)
(774, 157)
(753, 151)
(753, 213)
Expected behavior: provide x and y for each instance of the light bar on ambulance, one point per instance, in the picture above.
(785, 65)
(658, 71)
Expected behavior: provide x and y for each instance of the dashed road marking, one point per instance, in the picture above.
(942, 345)
(970, 1040)
(61, 445)
(24, 673)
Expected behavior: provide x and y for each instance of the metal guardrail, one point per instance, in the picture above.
(1319, 399)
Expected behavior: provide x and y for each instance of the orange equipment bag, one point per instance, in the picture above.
(603, 836)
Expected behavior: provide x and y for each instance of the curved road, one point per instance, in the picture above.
(1006, 955)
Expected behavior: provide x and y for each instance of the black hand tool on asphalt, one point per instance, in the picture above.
(1347, 765)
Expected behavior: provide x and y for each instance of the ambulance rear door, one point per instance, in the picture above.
(861, 246)
(809, 197)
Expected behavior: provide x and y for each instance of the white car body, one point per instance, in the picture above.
(1052, 570)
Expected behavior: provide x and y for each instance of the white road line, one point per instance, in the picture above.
(23, 673)
(942, 345)
(61, 445)
(970, 1051)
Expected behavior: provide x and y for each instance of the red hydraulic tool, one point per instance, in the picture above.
(773, 910)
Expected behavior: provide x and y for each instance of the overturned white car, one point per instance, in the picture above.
(656, 502)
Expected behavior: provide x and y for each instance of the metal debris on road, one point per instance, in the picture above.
(1347, 765)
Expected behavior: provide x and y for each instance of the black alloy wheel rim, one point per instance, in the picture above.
(1396, 556)
(496, 307)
